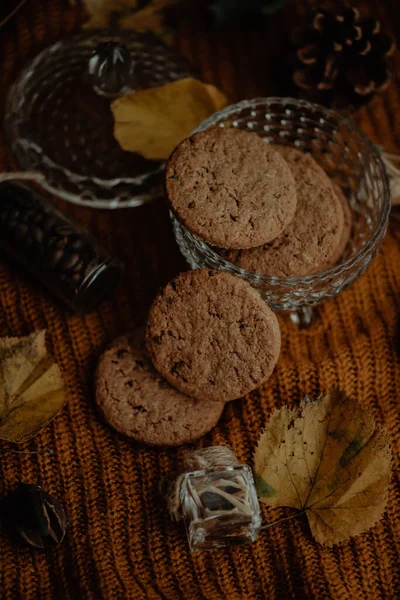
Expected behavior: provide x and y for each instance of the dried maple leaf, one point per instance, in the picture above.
(328, 459)
(31, 388)
(152, 122)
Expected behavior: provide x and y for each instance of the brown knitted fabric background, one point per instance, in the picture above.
(120, 543)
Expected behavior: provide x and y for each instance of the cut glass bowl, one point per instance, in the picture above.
(352, 162)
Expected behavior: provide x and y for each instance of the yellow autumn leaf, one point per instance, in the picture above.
(328, 459)
(153, 122)
(31, 388)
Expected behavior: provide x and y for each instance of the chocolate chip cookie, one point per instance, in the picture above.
(312, 238)
(230, 188)
(211, 336)
(138, 403)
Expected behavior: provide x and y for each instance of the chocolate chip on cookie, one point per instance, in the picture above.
(230, 188)
(138, 403)
(212, 336)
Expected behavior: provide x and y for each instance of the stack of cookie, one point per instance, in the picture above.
(268, 209)
(210, 339)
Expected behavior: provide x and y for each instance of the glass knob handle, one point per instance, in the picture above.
(111, 69)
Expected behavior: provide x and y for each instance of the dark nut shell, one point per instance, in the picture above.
(34, 517)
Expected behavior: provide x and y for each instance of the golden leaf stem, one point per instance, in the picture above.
(43, 451)
(295, 516)
(10, 408)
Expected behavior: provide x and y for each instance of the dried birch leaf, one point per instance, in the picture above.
(31, 388)
(153, 122)
(329, 459)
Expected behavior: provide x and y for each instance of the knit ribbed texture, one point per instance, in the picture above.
(120, 544)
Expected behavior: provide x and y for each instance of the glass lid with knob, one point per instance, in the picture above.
(60, 124)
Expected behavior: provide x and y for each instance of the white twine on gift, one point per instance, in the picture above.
(198, 460)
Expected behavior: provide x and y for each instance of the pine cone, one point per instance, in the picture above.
(344, 59)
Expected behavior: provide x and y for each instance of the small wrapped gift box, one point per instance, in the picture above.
(217, 499)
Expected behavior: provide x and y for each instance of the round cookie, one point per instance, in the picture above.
(212, 336)
(230, 188)
(346, 232)
(138, 403)
(312, 238)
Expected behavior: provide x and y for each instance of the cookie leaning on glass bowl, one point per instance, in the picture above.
(230, 188)
(138, 403)
(311, 240)
(211, 336)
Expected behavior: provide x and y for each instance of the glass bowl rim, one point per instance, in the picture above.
(380, 227)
